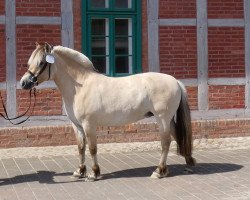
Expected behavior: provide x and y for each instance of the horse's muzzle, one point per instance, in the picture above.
(27, 83)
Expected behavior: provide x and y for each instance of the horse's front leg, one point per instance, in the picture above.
(92, 143)
(81, 142)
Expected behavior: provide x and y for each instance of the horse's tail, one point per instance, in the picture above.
(183, 128)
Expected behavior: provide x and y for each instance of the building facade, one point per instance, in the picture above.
(204, 43)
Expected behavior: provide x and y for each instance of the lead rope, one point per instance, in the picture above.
(6, 117)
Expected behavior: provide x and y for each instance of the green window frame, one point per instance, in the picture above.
(114, 50)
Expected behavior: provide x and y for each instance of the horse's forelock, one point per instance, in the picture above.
(36, 55)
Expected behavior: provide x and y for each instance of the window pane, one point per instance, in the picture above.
(100, 39)
(99, 26)
(123, 64)
(99, 3)
(100, 63)
(121, 26)
(123, 3)
(121, 46)
(98, 46)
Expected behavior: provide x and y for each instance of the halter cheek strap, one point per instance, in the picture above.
(34, 77)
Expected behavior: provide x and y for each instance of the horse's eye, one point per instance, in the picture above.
(41, 63)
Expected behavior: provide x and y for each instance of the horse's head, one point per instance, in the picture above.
(39, 64)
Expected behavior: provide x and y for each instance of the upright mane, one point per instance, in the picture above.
(76, 56)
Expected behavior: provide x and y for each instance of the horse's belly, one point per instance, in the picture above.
(119, 118)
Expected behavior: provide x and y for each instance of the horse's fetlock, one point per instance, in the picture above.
(96, 170)
(190, 161)
(82, 169)
(161, 169)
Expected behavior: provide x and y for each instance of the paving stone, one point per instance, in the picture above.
(219, 174)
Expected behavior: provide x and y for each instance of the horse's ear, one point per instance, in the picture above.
(37, 44)
(47, 47)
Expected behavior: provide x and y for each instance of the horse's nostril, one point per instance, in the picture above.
(23, 83)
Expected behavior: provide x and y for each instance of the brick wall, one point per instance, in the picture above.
(63, 135)
(177, 9)
(77, 25)
(192, 97)
(2, 54)
(227, 96)
(48, 102)
(27, 35)
(38, 7)
(3, 93)
(225, 9)
(226, 52)
(2, 6)
(178, 51)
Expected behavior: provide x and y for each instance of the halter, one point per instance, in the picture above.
(43, 64)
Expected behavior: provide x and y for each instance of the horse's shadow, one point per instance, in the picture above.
(176, 170)
(51, 177)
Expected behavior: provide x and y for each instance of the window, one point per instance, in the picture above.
(112, 35)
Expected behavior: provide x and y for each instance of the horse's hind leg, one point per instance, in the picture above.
(81, 142)
(162, 169)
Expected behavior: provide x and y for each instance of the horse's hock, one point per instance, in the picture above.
(56, 135)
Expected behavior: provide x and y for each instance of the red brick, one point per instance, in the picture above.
(27, 35)
(77, 25)
(3, 94)
(48, 102)
(38, 7)
(177, 9)
(225, 9)
(63, 135)
(2, 7)
(178, 51)
(192, 97)
(226, 97)
(226, 52)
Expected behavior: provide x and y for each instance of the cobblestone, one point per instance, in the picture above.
(222, 172)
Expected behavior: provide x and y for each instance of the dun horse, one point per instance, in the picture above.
(92, 99)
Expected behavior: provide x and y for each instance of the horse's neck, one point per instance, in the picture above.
(68, 77)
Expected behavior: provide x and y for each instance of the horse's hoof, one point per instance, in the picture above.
(78, 174)
(156, 175)
(92, 177)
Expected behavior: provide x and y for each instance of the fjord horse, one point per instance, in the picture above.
(92, 99)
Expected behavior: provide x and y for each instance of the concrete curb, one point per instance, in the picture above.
(199, 144)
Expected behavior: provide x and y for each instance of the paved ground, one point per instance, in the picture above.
(219, 174)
